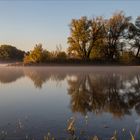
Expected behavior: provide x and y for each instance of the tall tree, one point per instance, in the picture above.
(115, 31)
(134, 35)
(84, 34)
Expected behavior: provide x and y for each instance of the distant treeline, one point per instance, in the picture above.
(95, 40)
(8, 52)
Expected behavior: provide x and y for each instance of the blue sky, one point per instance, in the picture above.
(24, 23)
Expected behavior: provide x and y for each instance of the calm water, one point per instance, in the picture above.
(35, 101)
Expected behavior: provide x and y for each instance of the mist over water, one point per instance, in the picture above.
(38, 100)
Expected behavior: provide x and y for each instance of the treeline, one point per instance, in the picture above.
(8, 52)
(113, 40)
(40, 55)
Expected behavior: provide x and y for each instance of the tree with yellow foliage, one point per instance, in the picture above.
(84, 34)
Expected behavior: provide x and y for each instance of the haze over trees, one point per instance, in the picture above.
(116, 39)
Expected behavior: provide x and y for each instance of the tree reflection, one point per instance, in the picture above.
(38, 76)
(41, 75)
(116, 93)
(8, 75)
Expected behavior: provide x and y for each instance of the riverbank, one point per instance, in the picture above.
(70, 63)
(4, 63)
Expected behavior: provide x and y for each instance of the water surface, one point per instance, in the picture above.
(38, 100)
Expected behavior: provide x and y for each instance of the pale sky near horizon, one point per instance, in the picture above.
(24, 23)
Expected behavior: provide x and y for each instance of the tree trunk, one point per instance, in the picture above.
(138, 51)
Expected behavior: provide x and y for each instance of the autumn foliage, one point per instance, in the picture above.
(116, 39)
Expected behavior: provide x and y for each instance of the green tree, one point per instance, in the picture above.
(8, 52)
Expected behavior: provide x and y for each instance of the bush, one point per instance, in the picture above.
(38, 55)
(127, 57)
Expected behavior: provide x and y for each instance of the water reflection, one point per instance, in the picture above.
(39, 76)
(9, 75)
(91, 90)
(116, 93)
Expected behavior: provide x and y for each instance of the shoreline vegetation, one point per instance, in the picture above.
(92, 41)
(73, 63)
(70, 62)
(65, 64)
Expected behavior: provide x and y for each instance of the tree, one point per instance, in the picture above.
(58, 53)
(8, 52)
(127, 57)
(38, 55)
(84, 34)
(99, 51)
(61, 55)
(115, 31)
(134, 35)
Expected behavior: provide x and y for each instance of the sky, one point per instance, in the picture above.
(24, 23)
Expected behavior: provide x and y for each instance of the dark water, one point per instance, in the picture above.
(101, 100)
